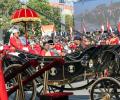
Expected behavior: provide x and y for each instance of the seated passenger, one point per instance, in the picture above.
(45, 49)
(15, 43)
(24, 39)
(14, 40)
(51, 51)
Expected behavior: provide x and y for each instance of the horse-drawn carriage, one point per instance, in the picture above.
(97, 66)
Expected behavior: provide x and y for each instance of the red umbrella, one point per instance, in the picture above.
(24, 15)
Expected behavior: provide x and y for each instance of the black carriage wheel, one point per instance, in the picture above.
(29, 87)
(110, 60)
(106, 88)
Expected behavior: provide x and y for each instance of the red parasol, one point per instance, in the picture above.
(24, 15)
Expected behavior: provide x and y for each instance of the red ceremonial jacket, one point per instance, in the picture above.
(16, 43)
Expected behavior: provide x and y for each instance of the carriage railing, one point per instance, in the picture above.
(35, 75)
(19, 70)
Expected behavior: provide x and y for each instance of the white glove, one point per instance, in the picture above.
(1, 47)
(25, 48)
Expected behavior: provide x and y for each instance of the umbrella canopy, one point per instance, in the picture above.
(24, 15)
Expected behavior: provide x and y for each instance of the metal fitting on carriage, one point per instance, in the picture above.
(91, 63)
(84, 60)
(71, 68)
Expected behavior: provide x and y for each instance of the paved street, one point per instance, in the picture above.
(79, 97)
(78, 94)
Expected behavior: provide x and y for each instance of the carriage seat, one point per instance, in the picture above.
(56, 96)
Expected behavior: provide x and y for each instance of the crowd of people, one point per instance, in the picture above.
(46, 46)
(59, 46)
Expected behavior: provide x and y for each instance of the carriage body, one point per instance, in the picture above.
(90, 60)
(86, 65)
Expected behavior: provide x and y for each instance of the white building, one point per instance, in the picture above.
(66, 9)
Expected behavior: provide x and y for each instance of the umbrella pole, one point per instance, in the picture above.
(25, 27)
(26, 33)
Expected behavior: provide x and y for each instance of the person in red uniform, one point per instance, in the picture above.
(59, 47)
(45, 49)
(14, 41)
(73, 46)
(114, 40)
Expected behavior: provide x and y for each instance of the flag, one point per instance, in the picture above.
(71, 31)
(3, 93)
(84, 27)
(48, 29)
(109, 28)
(118, 27)
(102, 28)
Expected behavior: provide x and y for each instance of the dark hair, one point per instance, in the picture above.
(77, 38)
(50, 41)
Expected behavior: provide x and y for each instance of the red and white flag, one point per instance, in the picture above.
(102, 28)
(109, 28)
(71, 32)
(84, 27)
(118, 27)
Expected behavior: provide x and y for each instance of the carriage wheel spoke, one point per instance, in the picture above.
(98, 98)
(104, 87)
(70, 85)
(53, 89)
(97, 93)
(101, 90)
(41, 90)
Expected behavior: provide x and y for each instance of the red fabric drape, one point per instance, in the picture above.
(3, 93)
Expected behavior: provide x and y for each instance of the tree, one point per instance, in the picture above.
(69, 22)
(50, 15)
(6, 9)
(41, 6)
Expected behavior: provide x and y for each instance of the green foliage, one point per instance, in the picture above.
(49, 15)
(68, 21)
(7, 7)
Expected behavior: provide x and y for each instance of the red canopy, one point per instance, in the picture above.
(24, 15)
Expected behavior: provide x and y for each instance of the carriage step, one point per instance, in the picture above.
(56, 96)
